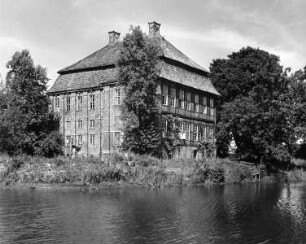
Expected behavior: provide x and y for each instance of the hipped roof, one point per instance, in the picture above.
(99, 67)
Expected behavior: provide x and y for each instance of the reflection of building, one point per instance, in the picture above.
(88, 100)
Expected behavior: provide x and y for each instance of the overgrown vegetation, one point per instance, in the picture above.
(170, 139)
(26, 124)
(138, 73)
(136, 170)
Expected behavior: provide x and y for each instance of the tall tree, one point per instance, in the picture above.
(27, 126)
(138, 73)
(253, 88)
(297, 95)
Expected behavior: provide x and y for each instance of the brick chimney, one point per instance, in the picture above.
(154, 29)
(113, 37)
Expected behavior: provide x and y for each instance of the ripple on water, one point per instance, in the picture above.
(216, 214)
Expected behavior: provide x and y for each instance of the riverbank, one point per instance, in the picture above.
(121, 171)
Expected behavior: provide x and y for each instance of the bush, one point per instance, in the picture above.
(296, 175)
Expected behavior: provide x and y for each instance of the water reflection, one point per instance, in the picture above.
(254, 213)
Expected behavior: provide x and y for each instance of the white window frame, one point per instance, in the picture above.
(172, 102)
(187, 129)
(92, 101)
(92, 139)
(92, 123)
(79, 102)
(68, 103)
(56, 102)
(80, 123)
(117, 96)
(68, 124)
(165, 100)
(80, 140)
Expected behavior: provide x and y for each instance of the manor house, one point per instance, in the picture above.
(88, 100)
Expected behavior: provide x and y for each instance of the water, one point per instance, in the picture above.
(254, 213)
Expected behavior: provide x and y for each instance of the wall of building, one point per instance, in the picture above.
(94, 129)
(97, 131)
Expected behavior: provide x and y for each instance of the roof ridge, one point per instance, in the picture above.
(108, 55)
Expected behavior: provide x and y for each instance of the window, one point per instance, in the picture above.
(172, 97)
(201, 108)
(68, 140)
(56, 102)
(181, 104)
(182, 133)
(187, 131)
(164, 126)
(188, 105)
(68, 124)
(164, 100)
(92, 123)
(212, 103)
(212, 111)
(92, 139)
(117, 138)
(79, 102)
(181, 126)
(188, 99)
(200, 132)
(210, 135)
(165, 95)
(196, 103)
(117, 97)
(172, 102)
(196, 98)
(191, 106)
(92, 101)
(212, 107)
(68, 103)
(195, 132)
(205, 111)
(197, 107)
(80, 142)
(204, 133)
(80, 123)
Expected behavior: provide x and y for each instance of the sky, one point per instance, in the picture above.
(59, 33)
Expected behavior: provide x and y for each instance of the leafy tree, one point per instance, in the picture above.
(253, 104)
(27, 126)
(138, 72)
(297, 94)
(171, 140)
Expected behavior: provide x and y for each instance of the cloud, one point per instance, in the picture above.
(224, 42)
(215, 38)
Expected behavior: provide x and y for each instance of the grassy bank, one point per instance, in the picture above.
(119, 170)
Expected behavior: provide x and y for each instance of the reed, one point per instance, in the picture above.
(138, 170)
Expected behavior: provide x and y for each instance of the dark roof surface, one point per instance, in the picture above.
(105, 56)
(110, 53)
(83, 80)
(180, 75)
(95, 69)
